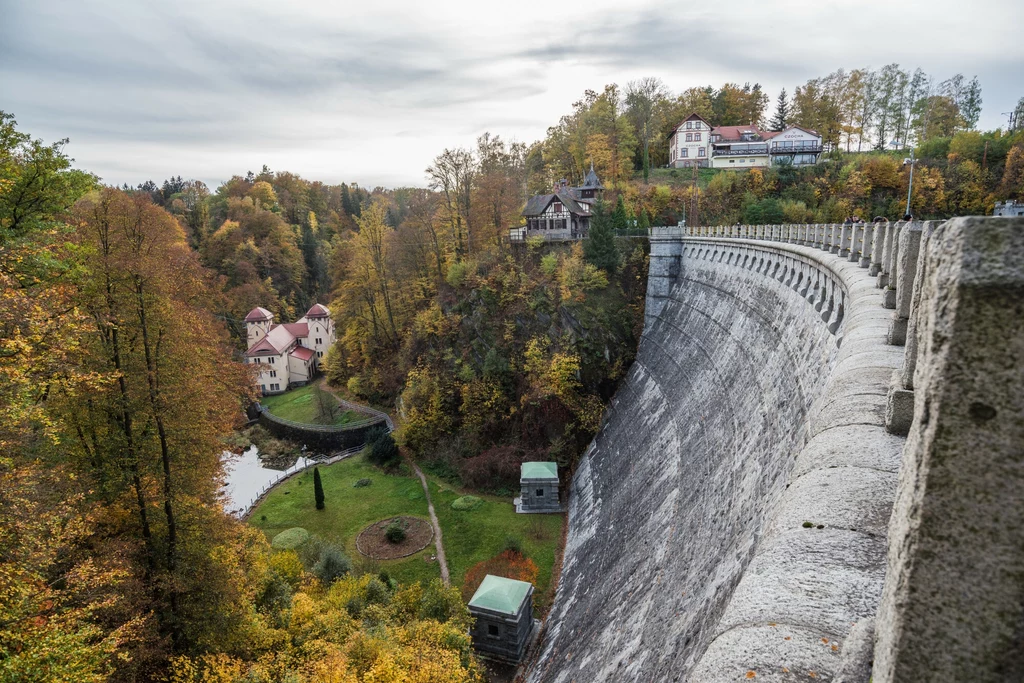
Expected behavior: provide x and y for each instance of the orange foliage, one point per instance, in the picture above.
(509, 564)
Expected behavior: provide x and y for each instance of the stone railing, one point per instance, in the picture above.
(951, 607)
(890, 253)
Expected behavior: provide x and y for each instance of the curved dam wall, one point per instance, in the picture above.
(731, 515)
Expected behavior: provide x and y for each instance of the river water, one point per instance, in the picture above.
(246, 476)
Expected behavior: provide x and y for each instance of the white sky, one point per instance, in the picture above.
(371, 93)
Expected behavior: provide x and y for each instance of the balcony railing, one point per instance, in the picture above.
(803, 148)
(745, 151)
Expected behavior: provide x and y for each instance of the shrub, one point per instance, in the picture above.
(457, 273)
(362, 483)
(514, 544)
(466, 503)
(383, 449)
(290, 539)
(394, 533)
(332, 566)
(377, 592)
(549, 264)
(287, 565)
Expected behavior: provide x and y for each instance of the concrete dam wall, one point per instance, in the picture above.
(730, 519)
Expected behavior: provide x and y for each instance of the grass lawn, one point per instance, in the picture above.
(470, 536)
(300, 405)
(348, 511)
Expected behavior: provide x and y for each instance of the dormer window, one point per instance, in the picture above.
(557, 207)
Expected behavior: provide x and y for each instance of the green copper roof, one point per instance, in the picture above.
(500, 594)
(539, 470)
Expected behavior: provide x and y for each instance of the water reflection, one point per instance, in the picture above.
(246, 476)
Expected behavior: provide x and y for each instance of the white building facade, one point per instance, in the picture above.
(794, 146)
(696, 142)
(689, 144)
(288, 354)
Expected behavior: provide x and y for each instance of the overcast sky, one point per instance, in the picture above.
(370, 92)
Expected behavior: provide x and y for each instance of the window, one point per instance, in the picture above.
(685, 152)
(701, 151)
(273, 373)
(319, 354)
(732, 161)
(696, 137)
(271, 359)
(540, 493)
(689, 124)
(493, 630)
(263, 388)
(557, 207)
(689, 137)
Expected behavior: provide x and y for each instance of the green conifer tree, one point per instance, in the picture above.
(620, 219)
(318, 489)
(599, 248)
(644, 222)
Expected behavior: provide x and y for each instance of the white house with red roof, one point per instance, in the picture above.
(689, 143)
(289, 353)
(696, 142)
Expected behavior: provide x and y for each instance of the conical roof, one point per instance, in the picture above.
(591, 181)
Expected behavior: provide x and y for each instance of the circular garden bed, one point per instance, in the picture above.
(376, 542)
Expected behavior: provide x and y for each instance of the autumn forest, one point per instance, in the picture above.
(122, 333)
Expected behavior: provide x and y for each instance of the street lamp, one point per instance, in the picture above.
(910, 185)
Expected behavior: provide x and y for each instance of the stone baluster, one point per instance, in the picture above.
(892, 258)
(899, 411)
(822, 236)
(888, 245)
(845, 240)
(867, 241)
(833, 237)
(905, 270)
(877, 247)
(856, 242)
(951, 606)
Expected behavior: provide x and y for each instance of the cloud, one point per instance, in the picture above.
(372, 92)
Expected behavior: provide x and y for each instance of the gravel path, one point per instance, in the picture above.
(433, 521)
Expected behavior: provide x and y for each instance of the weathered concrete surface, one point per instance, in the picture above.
(731, 514)
(953, 607)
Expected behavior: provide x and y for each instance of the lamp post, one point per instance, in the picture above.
(910, 185)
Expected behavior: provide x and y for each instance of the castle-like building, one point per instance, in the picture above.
(289, 353)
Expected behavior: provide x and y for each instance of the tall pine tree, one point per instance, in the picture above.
(599, 248)
(620, 217)
(318, 489)
(781, 117)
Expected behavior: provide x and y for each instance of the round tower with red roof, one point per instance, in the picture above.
(257, 325)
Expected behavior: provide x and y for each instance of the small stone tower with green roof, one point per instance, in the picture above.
(538, 486)
(503, 609)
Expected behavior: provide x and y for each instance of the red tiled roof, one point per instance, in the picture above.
(691, 117)
(318, 311)
(302, 353)
(262, 348)
(296, 329)
(733, 132)
(258, 314)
